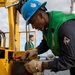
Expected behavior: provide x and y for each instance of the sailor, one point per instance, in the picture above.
(29, 44)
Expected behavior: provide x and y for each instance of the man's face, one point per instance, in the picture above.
(37, 22)
(32, 38)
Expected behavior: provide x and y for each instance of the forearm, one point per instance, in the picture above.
(64, 62)
(59, 64)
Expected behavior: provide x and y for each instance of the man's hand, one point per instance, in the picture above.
(34, 66)
(30, 53)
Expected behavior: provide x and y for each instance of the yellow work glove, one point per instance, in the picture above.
(30, 53)
(34, 66)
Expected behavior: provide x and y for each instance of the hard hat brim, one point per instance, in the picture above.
(42, 5)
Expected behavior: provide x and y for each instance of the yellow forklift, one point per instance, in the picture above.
(7, 54)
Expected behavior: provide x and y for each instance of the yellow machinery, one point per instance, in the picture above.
(6, 54)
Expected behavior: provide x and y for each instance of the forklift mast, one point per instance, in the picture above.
(13, 7)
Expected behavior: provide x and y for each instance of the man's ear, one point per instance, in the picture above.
(40, 15)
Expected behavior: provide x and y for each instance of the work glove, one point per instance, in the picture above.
(30, 53)
(33, 66)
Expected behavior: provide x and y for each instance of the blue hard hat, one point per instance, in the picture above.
(30, 7)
